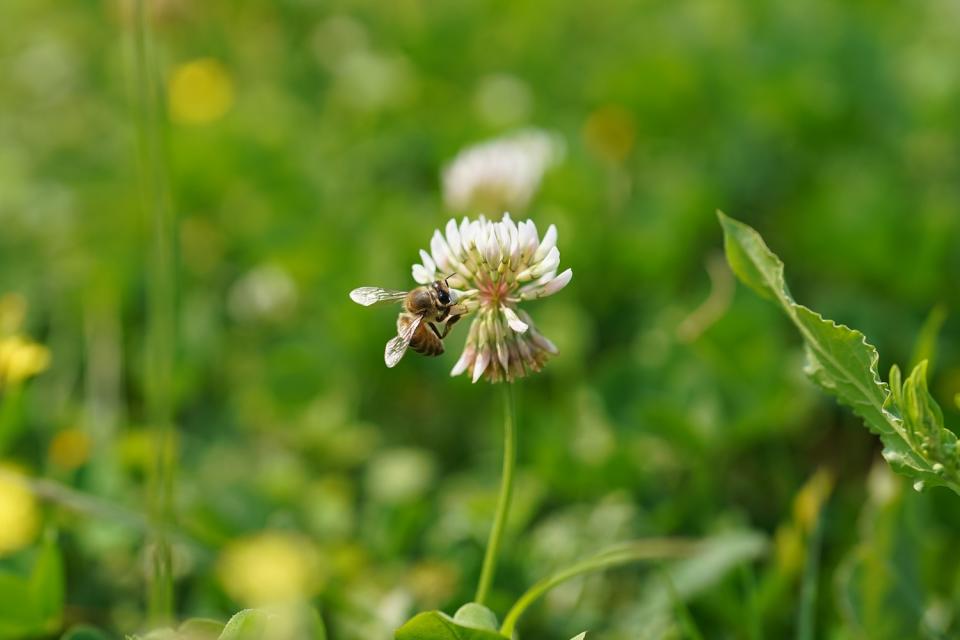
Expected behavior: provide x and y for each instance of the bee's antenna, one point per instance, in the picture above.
(448, 277)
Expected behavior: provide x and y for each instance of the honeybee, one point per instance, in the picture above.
(423, 307)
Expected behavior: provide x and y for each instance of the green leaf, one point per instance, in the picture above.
(844, 364)
(476, 615)
(46, 584)
(17, 617)
(436, 625)
(200, 629)
(288, 622)
(249, 624)
(33, 605)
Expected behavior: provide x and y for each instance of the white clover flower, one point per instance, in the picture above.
(494, 267)
(501, 174)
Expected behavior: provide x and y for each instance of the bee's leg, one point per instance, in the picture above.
(452, 320)
(436, 331)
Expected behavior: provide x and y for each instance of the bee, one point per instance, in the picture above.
(423, 308)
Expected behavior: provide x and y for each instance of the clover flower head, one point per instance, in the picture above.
(500, 174)
(493, 267)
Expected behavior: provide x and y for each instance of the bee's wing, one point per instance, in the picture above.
(397, 345)
(375, 295)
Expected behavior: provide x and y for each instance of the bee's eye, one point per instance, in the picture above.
(444, 297)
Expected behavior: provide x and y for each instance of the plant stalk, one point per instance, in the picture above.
(506, 493)
(160, 327)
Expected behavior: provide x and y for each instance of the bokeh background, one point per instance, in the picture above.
(304, 146)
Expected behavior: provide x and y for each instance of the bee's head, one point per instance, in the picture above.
(443, 290)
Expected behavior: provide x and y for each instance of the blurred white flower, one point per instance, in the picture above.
(501, 174)
(264, 293)
(494, 267)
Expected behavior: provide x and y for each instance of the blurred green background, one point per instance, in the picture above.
(305, 142)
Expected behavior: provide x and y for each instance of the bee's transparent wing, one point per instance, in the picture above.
(375, 295)
(397, 346)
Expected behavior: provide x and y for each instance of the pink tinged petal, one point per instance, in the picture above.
(480, 364)
(514, 320)
(466, 359)
(421, 275)
(543, 342)
(428, 262)
(549, 243)
(503, 355)
(453, 238)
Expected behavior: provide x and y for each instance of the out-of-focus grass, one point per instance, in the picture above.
(306, 144)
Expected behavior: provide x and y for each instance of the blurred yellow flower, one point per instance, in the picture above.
(199, 92)
(70, 448)
(19, 514)
(269, 568)
(21, 358)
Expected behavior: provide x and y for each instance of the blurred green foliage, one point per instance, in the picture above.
(305, 145)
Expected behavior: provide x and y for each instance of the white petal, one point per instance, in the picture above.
(514, 320)
(453, 238)
(491, 248)
(508, 222)
(549, 242)
(548, 264)
(514, 245)
(421, 275)
(440, 251)
(480, 364)
(466, 234)
(549, 288)
(428, 262)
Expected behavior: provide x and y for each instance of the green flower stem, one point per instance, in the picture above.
(655, 548)
(161, 296)
(506, 492)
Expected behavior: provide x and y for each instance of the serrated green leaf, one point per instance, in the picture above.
(843, 363)
(436, 625)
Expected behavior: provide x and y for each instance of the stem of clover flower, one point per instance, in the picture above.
(506, 492)
(161, 295)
